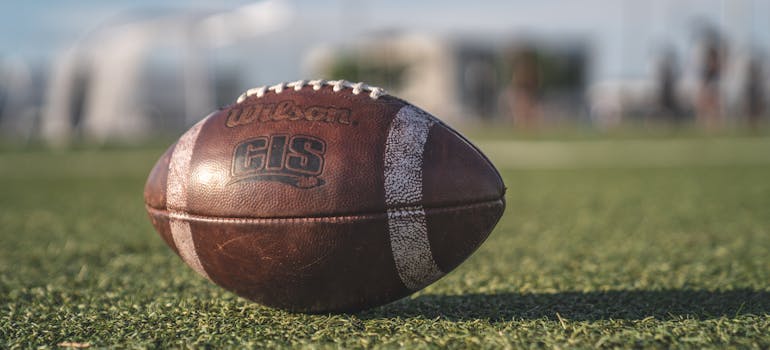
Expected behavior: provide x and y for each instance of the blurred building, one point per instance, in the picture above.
(146, 74)
(467, 78)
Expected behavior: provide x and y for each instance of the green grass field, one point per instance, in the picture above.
(605, 243)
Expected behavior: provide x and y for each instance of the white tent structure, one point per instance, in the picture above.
(93, 87)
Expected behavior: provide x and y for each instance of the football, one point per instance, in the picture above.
(323, 196)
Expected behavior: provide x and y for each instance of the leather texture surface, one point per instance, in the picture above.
(285, 204)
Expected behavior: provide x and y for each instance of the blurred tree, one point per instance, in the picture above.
(389, 75)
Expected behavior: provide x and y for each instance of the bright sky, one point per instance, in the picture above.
(624, 33)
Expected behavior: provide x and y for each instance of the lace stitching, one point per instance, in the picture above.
(337, 86)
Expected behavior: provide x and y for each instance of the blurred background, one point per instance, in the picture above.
(633, 136)
(128, 71)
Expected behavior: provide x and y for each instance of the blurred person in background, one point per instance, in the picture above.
(521, 96)
(667, 79)
(754, 92)
(709, 102)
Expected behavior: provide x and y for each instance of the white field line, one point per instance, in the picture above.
(627, 153)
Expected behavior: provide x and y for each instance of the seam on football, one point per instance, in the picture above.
(403, 211)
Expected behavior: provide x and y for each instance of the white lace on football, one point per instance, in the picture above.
(337, 85)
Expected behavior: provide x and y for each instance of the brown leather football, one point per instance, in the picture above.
(323, 196)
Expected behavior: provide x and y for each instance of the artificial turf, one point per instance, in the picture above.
(598, 248)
